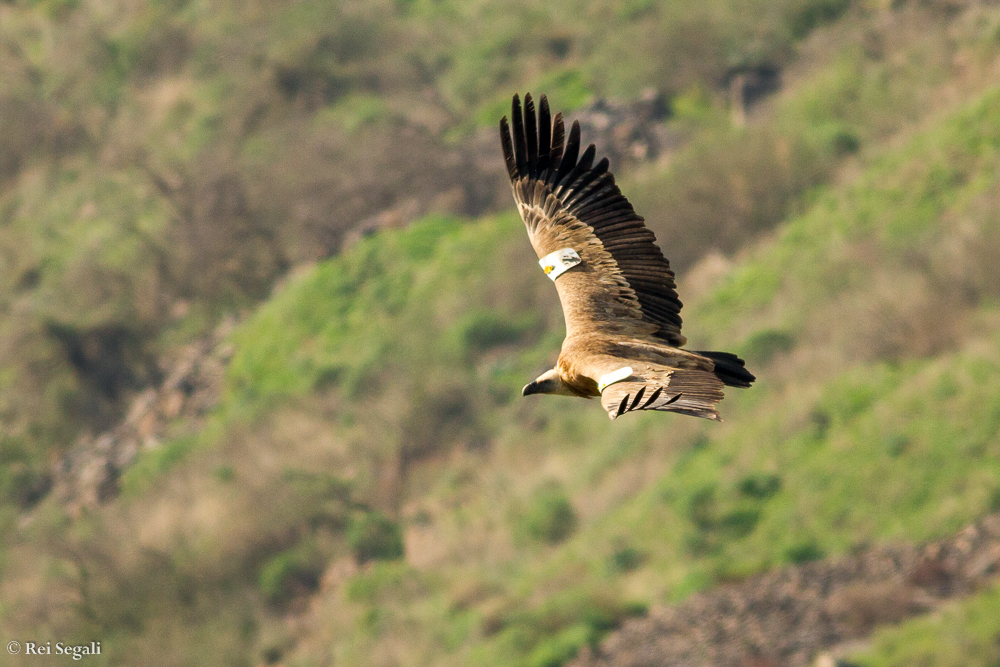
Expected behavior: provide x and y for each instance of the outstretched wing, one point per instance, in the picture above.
(622, 283)
(675, 390)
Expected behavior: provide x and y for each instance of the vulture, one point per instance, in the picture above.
(623, 324)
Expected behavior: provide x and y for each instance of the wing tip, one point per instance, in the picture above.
(507, 146)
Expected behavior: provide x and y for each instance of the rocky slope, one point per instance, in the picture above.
(788, 617)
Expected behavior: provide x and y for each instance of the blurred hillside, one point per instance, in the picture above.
(163, 163)
(265, 312)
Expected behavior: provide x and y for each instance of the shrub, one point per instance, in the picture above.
(291, 573)
(765, 344)
(559, 649)
(994, 502)
(897, 444)
(701, 509)
(24, 484)
(717, 522)
(845, 142)
(624, 558)
(804, 551)
(554, 632)
(760, 486)
(550, 516)
(819, 423)
(815, 13)
(375, 537)
(739, 522)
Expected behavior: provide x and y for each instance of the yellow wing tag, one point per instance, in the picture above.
(614, 376)
(559, 262)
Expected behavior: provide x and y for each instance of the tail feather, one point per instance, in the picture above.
(730, 369)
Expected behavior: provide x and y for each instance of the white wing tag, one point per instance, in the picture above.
(559, 262)
(612, 377)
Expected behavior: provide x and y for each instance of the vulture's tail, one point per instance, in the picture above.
(730, 369)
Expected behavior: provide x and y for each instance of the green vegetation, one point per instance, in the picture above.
(291, 573)
(163, 163)
(374, 537)
(370, 488)
(963, 633)
(549, 516)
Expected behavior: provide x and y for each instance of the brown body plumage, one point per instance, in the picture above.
(623, 325)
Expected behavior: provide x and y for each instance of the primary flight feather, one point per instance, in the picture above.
(623, 323)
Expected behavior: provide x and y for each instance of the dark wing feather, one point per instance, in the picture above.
(544, 135)
(530, 135)
(568, 201)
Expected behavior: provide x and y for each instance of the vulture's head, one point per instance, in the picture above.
(548, 382)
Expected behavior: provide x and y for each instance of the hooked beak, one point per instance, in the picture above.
(530, 388)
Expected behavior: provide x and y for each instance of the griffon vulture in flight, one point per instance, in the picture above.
(623, 324)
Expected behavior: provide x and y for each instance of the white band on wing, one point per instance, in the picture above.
(559, 262)
(612, 377)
